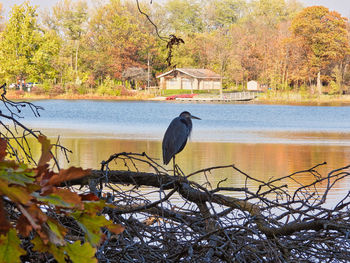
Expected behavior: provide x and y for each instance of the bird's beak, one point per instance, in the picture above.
(194, 117)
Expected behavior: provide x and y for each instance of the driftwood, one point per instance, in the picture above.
(173, 219)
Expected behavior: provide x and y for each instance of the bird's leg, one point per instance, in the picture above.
(177, 169)
(174, 165)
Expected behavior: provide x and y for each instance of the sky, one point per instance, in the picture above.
(341, 6)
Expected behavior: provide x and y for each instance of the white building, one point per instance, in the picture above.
(253, 86)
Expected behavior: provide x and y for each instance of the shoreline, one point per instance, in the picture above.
(283, 99)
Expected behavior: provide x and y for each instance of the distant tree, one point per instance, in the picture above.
(224, 13)
(116, 40)
(184, 16)
(25, 50)
(324, 41)
(46, 56)
(69, 19)
(273, 12)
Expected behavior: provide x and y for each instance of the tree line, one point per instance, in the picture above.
(84, 48)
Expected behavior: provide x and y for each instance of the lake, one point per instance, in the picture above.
(262, 140)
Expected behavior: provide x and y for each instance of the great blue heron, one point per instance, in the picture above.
(176, 136)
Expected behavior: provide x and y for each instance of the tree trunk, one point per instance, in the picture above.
(319, 84)
(76, 59)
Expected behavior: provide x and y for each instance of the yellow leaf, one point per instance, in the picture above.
(81, 253)
(10, 250)
(45, 150)
(16, 193)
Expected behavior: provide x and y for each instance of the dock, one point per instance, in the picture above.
(227, 97)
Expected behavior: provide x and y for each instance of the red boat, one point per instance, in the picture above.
(173, 97)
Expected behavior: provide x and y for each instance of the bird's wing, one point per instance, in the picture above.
(175, 139)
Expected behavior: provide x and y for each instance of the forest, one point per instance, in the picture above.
(79, 48)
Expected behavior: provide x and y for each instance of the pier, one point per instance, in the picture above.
(226, 97)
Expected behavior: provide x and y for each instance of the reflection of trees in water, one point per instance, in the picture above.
(262, 161)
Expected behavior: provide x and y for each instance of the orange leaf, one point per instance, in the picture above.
(3, 146)
(36, 214)
(116, 228)
(89, 197)
(69, 197)
(23, 226)
(5, 224)
(45, 150)
(68, 174)
(36, 219)
(43, 176)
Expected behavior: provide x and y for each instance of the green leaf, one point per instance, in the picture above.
(10, 250)
(95, 207)
(91, 225)
(18, 176)
(56, 228)
(81, 253)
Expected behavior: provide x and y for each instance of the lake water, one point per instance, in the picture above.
(262, 140)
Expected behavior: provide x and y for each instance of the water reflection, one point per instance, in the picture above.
(264, 141)
(262, 161)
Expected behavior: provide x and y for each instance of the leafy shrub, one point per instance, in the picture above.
(38, 90)
(305, 91)
(109, 88)
(19, 93)
(31, 205)
(82, 89)
(72, 88)
(57, 90)
(334, 88)
(125, 92)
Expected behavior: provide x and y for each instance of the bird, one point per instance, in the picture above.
(175, 137)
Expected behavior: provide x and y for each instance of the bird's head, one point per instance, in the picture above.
(186, 114)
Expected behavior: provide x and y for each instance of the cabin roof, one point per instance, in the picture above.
(199, 73)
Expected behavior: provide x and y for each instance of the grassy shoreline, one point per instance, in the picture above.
(288, 98)
(294, 98)
(16, 96)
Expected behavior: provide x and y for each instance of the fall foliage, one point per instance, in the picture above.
(35, 194)
(77, 48)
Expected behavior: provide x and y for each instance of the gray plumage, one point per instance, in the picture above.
(175, 137)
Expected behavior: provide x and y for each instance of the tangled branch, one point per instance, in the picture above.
(17, 134)
(172, 219)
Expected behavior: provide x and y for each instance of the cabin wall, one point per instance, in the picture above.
(188, 83)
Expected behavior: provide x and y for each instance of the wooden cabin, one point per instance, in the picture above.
(190, 79)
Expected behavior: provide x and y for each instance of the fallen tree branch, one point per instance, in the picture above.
(197, 224)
